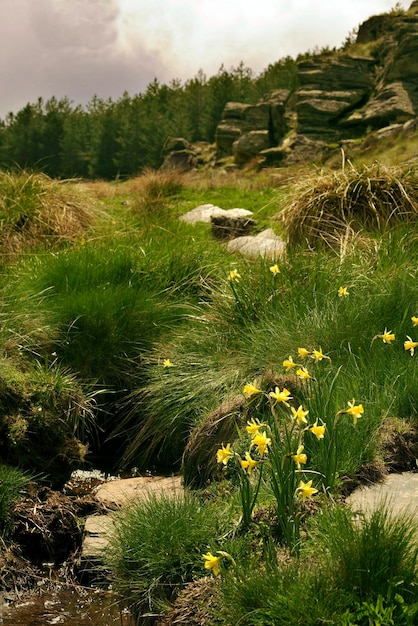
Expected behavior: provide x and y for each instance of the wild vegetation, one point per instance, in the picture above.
(131, 338)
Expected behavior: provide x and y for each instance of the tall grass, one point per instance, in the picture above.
(248, 327)
(156, 547)
(345, 569)
(37, 211)
(12, 483)
(329, 205)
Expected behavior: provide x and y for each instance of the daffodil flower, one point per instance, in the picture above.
(306, 490)
(224, 454)
(355, 410)
(318, 431)
(303, 353)
(299, 458)
(299, 415)
(251, 389)
(234, 275)
(212, 563)
(343, 292)
(261, 441)
(248, 463)
(167, 363)
(274, 269)
(318, 355)
(303, 373)
(253, 426)
(281, 396)
(410, 345)
(289, 363)
(387, 336)
(414, 320)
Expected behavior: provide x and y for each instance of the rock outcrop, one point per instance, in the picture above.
(342, 95)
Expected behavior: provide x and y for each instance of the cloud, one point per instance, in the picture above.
(79, 48)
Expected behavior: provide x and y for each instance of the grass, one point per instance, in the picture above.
(37, 211)
(346, 569)
(332, 205)
(131, 339)
(155, 549)
(12, 484)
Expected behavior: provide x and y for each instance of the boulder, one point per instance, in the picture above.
(227, 132)
(336, 73)
(207, 212)
(176, 143)
(391, 104)
(266, 244)
(318, 112)
(249, 145)
(180, 160)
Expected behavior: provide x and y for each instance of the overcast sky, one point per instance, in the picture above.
(79, 48)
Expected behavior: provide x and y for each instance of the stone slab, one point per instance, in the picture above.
(399, 491)
(117, 493)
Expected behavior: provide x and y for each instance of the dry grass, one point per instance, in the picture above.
(153, 189)
(329, 205)
(36, 210)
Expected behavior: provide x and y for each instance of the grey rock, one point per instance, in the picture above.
(266, 244)
(180, 160)
(391, 103)
(249, 145)
(205, 213)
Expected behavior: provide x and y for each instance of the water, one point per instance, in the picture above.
(76, 606)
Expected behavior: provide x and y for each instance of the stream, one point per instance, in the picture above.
(75, 607)
(54, 601)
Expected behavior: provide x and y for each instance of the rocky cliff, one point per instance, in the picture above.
(371, 85)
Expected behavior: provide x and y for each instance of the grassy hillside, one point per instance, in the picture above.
(274, 385)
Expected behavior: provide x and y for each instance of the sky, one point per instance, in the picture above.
(81, 48)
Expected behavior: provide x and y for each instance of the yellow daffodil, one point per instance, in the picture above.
(356, 410)
(251, 389)
(281, 396)
(306, 490)
(167, 363)
(299, 458)
(299, 415)
(289, 363)
(303, 353)
(253, 427)
(261, 441)
(224, 454)
(387, 336)
(303, 373)
(248, 463)
(212, 563)
(234, 275)
(274, 269)
(343, 292)
(414, 320)
(318, 431)
(318, 355)
(410, 345)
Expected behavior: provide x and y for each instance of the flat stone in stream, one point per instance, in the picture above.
(398, 491)
(116, 493)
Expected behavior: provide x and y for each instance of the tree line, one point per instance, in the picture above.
(108, 139)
